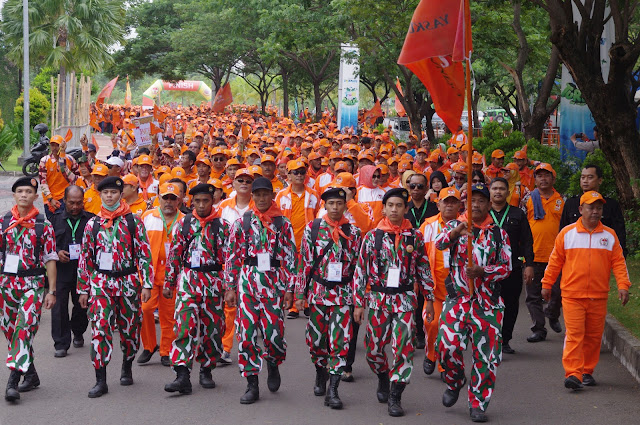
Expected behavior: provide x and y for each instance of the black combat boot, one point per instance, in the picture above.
(395, 399)
(273, 377)
(383, 387)
(320, 388)
(101, 384)
(253, 391)
(333, 399)
(126, 376)
(206, 381)
(12, 393)
(182, 382)
(31, 380)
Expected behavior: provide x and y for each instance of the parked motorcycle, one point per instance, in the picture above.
(31, 165)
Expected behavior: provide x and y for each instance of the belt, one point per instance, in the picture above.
(391, 291)
(253, 261)
(39, 271)
(122, 273)
(215, 267)
(331, 285)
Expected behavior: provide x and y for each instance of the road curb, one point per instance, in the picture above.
(623, 345)
(11, 173)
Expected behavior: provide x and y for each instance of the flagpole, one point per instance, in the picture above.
(469, 171)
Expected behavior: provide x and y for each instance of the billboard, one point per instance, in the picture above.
(348, 87)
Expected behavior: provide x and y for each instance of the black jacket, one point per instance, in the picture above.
(68, 272)
(417, 216)
(611, 217)
(520, 238)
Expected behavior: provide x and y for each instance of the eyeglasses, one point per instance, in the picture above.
(299, 172)
(476, 181)
(170, 197)
(219, 159)
(418, 186)
(459, 178)
(375, 176)
(244, 181)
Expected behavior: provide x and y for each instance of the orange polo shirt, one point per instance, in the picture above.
(545, 231)
(139, 206)
(298, 220)
(92, 201)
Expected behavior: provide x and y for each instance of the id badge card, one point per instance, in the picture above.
(11, 263)
(446, 257)
(334, 272)
(106, 261)
(264, 262)
(393, 277)
(196, 256)
(74, 251)
(167, 247)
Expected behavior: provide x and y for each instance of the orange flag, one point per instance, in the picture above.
(245, 131)
(399, 108)
(95, 143)
(223, 98)
(127, 95)
(373, 114)
(68, 136)
(93, 121)
(158, 114)
(106, 92)
(437, 42)
(155, 129)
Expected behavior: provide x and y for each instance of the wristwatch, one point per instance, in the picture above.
(52, 293)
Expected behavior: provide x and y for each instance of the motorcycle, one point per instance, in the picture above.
(31, 165)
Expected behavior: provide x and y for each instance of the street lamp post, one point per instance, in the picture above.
(25, 76)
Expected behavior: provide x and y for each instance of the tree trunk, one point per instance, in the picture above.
(317, 97)
(285, 93)
(475, 98)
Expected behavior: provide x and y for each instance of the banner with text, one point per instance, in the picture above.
(348, 87)
(142, 130)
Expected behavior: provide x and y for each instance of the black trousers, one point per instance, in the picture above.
(61, 325)
(351, 355)
(534, 300)
(510, 290)
(417, 317)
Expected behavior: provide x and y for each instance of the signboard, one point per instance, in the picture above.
(142, 130)
(348, 88)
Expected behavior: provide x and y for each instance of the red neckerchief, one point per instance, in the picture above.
(488, 221)
(23, 221)
(215, 213)
(110, 216)
(337, 229)
(266, 217)
(386, 226)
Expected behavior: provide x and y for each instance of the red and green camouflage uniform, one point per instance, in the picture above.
(199, 298)
(478, 317)
(260, 293)
(114, 300)
(329, 327)
(391, 315)
(21, 297)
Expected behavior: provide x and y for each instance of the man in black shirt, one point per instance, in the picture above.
(591, 179)
(69, 229)
(514, 221)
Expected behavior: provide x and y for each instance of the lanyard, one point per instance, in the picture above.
(73, 229)
(113, 232)
(203, 243)
(167, 229)
(422, 212)
(19, 235)
(503, 217)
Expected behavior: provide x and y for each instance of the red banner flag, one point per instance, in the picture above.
(95, 143)
(373, 114)
(155, 129)
(93, 121)
(158, 114)
(438, 40)
(399, 108)
(223, 98)
(68, 136)
(106, 92)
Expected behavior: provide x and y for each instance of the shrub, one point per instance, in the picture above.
(39, 107)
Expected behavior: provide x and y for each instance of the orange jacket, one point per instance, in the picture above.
(431, 227)
(373, 198)
(586, 260)
(545, 231)
(311, 205)
(92, 201)
(139, 206)
(158, 240)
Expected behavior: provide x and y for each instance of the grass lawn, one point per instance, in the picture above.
(11, 164)
(628, 315)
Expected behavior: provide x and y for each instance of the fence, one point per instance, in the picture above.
(70, 102)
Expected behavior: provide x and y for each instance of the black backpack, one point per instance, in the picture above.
(403, 287)
(315, 228)
(131, 227)
(186, 227)
(278, 222)
(37, 271)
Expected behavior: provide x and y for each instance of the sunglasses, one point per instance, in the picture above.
(170, 197)
(299, 172)
(375, 176)
(419, 186)
(219, 159)
(476, 181)
(244, 181)
(460, 178)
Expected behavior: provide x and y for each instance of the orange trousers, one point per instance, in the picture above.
(584, 322)
(431, 330)
(166, 308)
(230, 328)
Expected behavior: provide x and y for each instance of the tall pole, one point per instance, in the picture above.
(25, 75)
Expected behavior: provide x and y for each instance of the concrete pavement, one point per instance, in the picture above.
(529, 388)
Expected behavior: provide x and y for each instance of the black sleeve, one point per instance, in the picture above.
(526, 241)
(564, 219)
(617, 224)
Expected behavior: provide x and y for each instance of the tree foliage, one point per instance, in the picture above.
(39, 107)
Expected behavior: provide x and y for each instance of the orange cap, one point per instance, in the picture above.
(591, 197)
(255, 170)
(447, 192)
(199, 134)
(243, 172)
(56, 139)
(204, 160)
(130, 179)
(295, 164)
(403, 166)
(164, 178)
(217, 183)
(314, 155)
(100, 170)
(497, 154)
(520, 155)
(344, 180)
(267, 158)
(341, 166)
(511, 166)
(477, 158)
(168, 151)
(452, 150)
(545, 166)
(219, 150)
(233, 161)
(422, 150)
(162, 170)
(335, 155)
(434, 157)
(145, 160)
(169, 189)
(459, 167)
(178, 172)
(383, 168)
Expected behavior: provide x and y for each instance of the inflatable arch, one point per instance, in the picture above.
(152, 92)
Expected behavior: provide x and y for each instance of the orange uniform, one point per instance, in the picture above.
(139, 206)
(92, 201)
(527, 179)
(544, 231)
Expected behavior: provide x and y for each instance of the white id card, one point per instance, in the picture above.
(264, 262)
(393, 277)
(446, 255)
(167, 247)
(11, 263)
(74, 251)
(106, 261)
(334, 272)
(195, 259)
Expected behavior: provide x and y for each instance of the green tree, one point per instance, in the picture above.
(39, 107)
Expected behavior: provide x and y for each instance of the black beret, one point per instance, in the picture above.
(398, 192)
(111, 183)
(482, 189)
(334, 193)
(25, 181)
(261, 183)
(202, 188)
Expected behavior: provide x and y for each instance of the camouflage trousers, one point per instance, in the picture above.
(384, 327)
(199, 326)
(328, 335)
(265, 315)
(458, 323)
(20, 312)
(105, 312)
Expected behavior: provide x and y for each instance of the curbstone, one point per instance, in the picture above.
(623, 345)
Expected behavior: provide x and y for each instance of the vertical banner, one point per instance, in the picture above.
(348, 87)
(142, 130)
(575, 116)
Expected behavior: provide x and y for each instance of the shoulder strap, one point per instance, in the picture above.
(497, 236)
(315, 228)
(39, 233)
(186, 225)
(246, 225)
(5, 224)
(131, 227)
(377, 246)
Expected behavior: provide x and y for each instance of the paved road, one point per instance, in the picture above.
(529, 389)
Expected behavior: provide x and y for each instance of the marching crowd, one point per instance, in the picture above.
(228, 223)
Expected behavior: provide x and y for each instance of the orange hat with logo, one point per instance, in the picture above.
(313, 155)
(403, 166)
(434, 157)
(383, 168)
(335, 155)
(459, 167)
(233, 161)
(217, 183)
(344, 180)
(295, 164)
(168, 152)
(100, 170)
(145, 160)
(203, 160)
(243, 172)
(255, 170)
(267, 158)
(178, 172)
(448, 192)
(165, 178)
(497, 154)
(162, 170)
(477, 158)
(452, 150)
(520, 155)
(130, 179)
(219, 150)
(169, 189)
(341, 166)
(591, 197)
(545, 166)
(511, 166)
